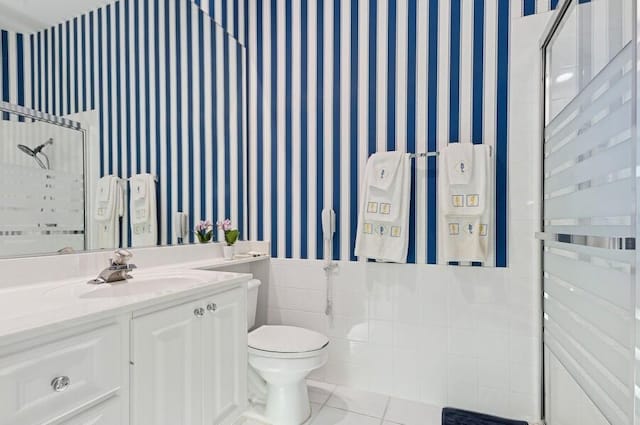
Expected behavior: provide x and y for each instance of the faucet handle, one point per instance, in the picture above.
(121, 257)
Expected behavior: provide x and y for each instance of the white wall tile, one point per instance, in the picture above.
(380, 301)
(350, 275)
(306, 274)
(381, 332)
(347, 374)
(350, 328)
(380, 368)
(433, 295)
(406, 336)
(434, 378)
(313, 321)
(521, 405)
(346, 351)
(491, 345)
(492, 317)
(523, 349)
(406, 382)
(522, 377)
(406, 300)
(461, 315)
(462, 342)
(493, 374)
(350, 303)
(364, 402)
(463, 395)
(462, 369)
(494, 401)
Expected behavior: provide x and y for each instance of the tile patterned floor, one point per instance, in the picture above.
(336, 405)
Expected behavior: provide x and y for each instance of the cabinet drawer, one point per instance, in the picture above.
(107, 413)
(49, 380)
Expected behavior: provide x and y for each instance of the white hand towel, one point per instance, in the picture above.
(108, 210)
(458, 161)
(143, 210)
(465, 222)
(383, 221)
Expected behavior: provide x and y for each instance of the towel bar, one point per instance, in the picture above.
(429, 154)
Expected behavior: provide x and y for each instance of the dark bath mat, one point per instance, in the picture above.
(452, 416)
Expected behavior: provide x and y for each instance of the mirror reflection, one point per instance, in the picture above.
(122, 125)
(41, 185)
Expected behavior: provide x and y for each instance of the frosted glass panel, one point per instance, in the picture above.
(589, 207)
(609, 319)
(41, 187)
(607, 283)
(609, 396)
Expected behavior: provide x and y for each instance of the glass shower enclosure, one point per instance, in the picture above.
(590, 214)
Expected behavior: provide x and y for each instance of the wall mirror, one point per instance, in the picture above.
(122, 124)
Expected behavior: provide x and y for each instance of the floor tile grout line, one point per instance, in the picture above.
(386, 408)
(324, 403)
(357, 413)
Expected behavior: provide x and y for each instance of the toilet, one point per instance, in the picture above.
(283, 356)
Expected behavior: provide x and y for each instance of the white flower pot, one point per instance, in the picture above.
(228, 252)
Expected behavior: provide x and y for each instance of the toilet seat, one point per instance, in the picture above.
(286, 341)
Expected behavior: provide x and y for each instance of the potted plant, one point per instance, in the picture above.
(230, 237)
(204, 231)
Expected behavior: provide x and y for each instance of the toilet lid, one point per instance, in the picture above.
(286, 339)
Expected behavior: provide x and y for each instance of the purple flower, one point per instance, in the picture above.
(224, 225)
(203, 226)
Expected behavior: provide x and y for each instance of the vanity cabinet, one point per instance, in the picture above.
(188, 362)
(225, 371)
(172, 361)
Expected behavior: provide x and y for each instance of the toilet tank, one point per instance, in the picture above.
(252, 302)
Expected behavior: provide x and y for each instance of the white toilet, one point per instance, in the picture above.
(283, 356)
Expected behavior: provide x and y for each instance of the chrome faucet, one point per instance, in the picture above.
(118, 270)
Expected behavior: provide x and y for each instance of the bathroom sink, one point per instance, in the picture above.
(142, 283)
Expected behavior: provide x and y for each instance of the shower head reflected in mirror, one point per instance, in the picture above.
(38, 151)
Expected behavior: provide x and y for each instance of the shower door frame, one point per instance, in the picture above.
(47, 118)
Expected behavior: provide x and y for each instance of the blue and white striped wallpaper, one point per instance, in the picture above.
(333, 81)
(169, 87)
(229, 14)
(12, 68)
(532, 7)
(325, 90)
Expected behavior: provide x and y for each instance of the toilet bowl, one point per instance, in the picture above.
(284, 356)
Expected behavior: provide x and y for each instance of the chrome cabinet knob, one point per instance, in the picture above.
(199, 312)
(60, 383)
(212, 307)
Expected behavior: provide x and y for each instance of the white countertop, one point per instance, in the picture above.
(28, 310)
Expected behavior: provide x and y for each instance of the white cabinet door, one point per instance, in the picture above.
(225, 345)
(167, 366)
